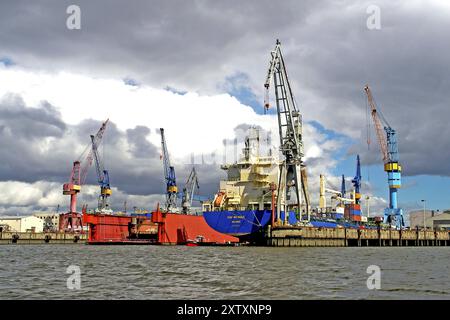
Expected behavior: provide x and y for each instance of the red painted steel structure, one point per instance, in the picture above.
(175, 228)
(161, 228)
(116, 229)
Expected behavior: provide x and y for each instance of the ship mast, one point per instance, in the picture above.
(292, 168)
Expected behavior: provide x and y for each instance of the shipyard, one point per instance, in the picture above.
(265, 199)
(204, 151)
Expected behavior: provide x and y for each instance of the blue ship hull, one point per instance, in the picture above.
(241, 223)
(237, 223)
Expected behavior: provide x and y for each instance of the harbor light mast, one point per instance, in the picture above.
(292, 170)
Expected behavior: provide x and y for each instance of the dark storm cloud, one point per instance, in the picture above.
(140, 147)
(181, 44)
(329, 51)
(30, 123)
(22, 131)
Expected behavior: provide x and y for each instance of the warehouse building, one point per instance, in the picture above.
(433, 219)
(22, 224)
(50, 220)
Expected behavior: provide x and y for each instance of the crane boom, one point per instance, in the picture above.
(169, 175)
(378, 125)
(86, 164)
(292, 170)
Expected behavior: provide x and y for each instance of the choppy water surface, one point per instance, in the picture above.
(155, 272)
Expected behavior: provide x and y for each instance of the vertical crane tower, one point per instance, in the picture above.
(389, 151)
(292, 170)
(169, 175)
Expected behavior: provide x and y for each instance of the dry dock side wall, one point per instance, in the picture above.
(327, 237)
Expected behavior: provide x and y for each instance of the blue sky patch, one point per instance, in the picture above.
(237, 87)
(7, 61)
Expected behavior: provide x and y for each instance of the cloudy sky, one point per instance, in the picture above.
(197, 69)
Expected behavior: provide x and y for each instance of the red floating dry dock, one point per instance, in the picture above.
(161, 228)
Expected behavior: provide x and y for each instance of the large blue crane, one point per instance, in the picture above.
(102, 177)
(169, 175)
(357, 181)
(389, 150)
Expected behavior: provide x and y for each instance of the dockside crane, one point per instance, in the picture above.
(189, 190)
(357, 181)
(292, 170)
(102, 178)
(389, 151)
(72, 220)
(169, 175)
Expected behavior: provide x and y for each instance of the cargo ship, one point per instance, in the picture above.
(243, 204)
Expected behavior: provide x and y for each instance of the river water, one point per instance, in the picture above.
(180, 272)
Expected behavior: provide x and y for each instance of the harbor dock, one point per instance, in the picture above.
(41, 238)
(291, 236)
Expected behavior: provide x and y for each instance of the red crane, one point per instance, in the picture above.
(71, 221)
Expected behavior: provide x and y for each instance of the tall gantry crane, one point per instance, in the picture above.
(169, 175)
(102, 178)
(77, 178)
(189, 190)
(389, 151)
(292, 170)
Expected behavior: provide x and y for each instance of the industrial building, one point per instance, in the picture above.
(50, 220)
(22, 224)
(433, 219)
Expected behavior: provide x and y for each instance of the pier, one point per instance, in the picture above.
(291, 236)
(41, 238)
